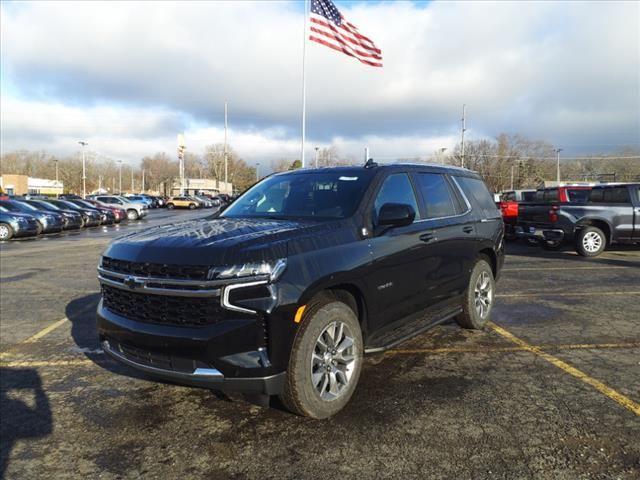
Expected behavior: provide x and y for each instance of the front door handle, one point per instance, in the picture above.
(467, 229)
(427, 237)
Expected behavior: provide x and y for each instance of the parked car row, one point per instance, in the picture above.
(197, 201)
(21, 216)
(591, 217)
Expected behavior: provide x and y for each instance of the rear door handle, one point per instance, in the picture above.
(427, 237)
(467, 229)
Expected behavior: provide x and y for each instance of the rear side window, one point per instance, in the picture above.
(396, 188)
(577, 195)
(551, 195)
(437, 195)
(475, 188)
(528, 196)
(610, 195)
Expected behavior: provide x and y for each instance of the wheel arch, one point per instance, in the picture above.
(493, 259)
(598, 223)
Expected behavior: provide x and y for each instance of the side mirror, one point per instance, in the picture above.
(396, 215)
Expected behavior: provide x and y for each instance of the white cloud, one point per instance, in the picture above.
(131, 75)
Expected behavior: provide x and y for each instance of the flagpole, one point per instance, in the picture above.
(304, 86)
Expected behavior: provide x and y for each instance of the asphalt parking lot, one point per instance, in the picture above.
(551, 389)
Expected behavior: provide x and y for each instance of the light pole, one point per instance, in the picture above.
(558, 150)
(257, 172)
(132, 189)
(464, 129)
(316, 159)
(56, 160)
(84, 176)
(119, 177)
(442, 150)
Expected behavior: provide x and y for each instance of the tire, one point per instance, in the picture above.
(591, 242)
(132, 214)
(478, 299)
(533, 242)
(40, 228)
(331, 391)
(170, 206)
(6, 231)
(552, 245)
(192, 206)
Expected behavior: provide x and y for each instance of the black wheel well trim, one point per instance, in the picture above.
(355, 298)
(600, 223)
(493, 259)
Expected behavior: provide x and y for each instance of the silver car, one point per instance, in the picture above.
(135, 210)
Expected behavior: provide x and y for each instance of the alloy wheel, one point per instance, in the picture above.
(592, 242)
(333, 361)
(483, 294)
(4, 232)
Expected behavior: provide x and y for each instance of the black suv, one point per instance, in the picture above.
(284, 291)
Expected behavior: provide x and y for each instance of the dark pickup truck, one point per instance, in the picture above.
(610, 214)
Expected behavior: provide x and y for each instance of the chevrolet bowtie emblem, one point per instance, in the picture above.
(133, 283)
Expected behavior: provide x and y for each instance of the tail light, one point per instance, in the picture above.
(553, 214)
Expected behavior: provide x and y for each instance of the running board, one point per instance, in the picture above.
(412, 328)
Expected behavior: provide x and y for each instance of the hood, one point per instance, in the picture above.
(219, 241)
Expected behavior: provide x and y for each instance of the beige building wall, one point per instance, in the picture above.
(14, 184)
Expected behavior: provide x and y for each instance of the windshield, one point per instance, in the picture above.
(13, 207)
(312, 195)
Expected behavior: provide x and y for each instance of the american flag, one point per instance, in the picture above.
(329, 28)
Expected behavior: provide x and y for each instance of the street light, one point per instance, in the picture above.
(558, 150)
(317, 149)
(84, 176)
(257, 172)
(119, 177)
(442, 150)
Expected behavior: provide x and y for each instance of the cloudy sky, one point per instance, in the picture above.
(127, 77)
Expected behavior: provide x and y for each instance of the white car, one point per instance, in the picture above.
(135, 210)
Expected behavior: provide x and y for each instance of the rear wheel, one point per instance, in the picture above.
(590, 242)
(325, 361)
(132, 214)
(170, 206)
(534, 242)
(40, 228)
(6, 231)
(192, 206)
(478, 299)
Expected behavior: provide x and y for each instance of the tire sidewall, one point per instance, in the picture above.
(470, 317)
(9, 229)
(307, 399)
(580, 248)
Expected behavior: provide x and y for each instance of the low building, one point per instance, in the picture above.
(24, 185)
(195, 186)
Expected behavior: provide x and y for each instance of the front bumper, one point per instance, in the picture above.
(221, 356)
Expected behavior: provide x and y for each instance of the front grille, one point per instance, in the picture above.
(162, 309)
(158, 270)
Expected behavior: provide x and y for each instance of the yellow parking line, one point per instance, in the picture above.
(626, 402)
(46, 330)
(566, 294)
(528, 269)
(46, 363)
(488, 349)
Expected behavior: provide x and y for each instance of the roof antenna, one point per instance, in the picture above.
(370, 163)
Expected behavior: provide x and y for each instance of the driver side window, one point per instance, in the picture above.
(396, 188)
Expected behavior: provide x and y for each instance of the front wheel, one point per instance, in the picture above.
(192, 206)
(590, 242)
(6, 231)
(477, 301)
(132, 214)
(325, 361)
(170, 206)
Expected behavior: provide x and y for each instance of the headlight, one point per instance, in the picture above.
(273, 270)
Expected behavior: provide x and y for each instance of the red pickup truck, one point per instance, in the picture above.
(508, 206)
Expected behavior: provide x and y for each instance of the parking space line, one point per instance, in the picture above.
(488, 349)
(46, 330)
(46, 363)
(566, 294)
(530, 269)
(626, 402)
